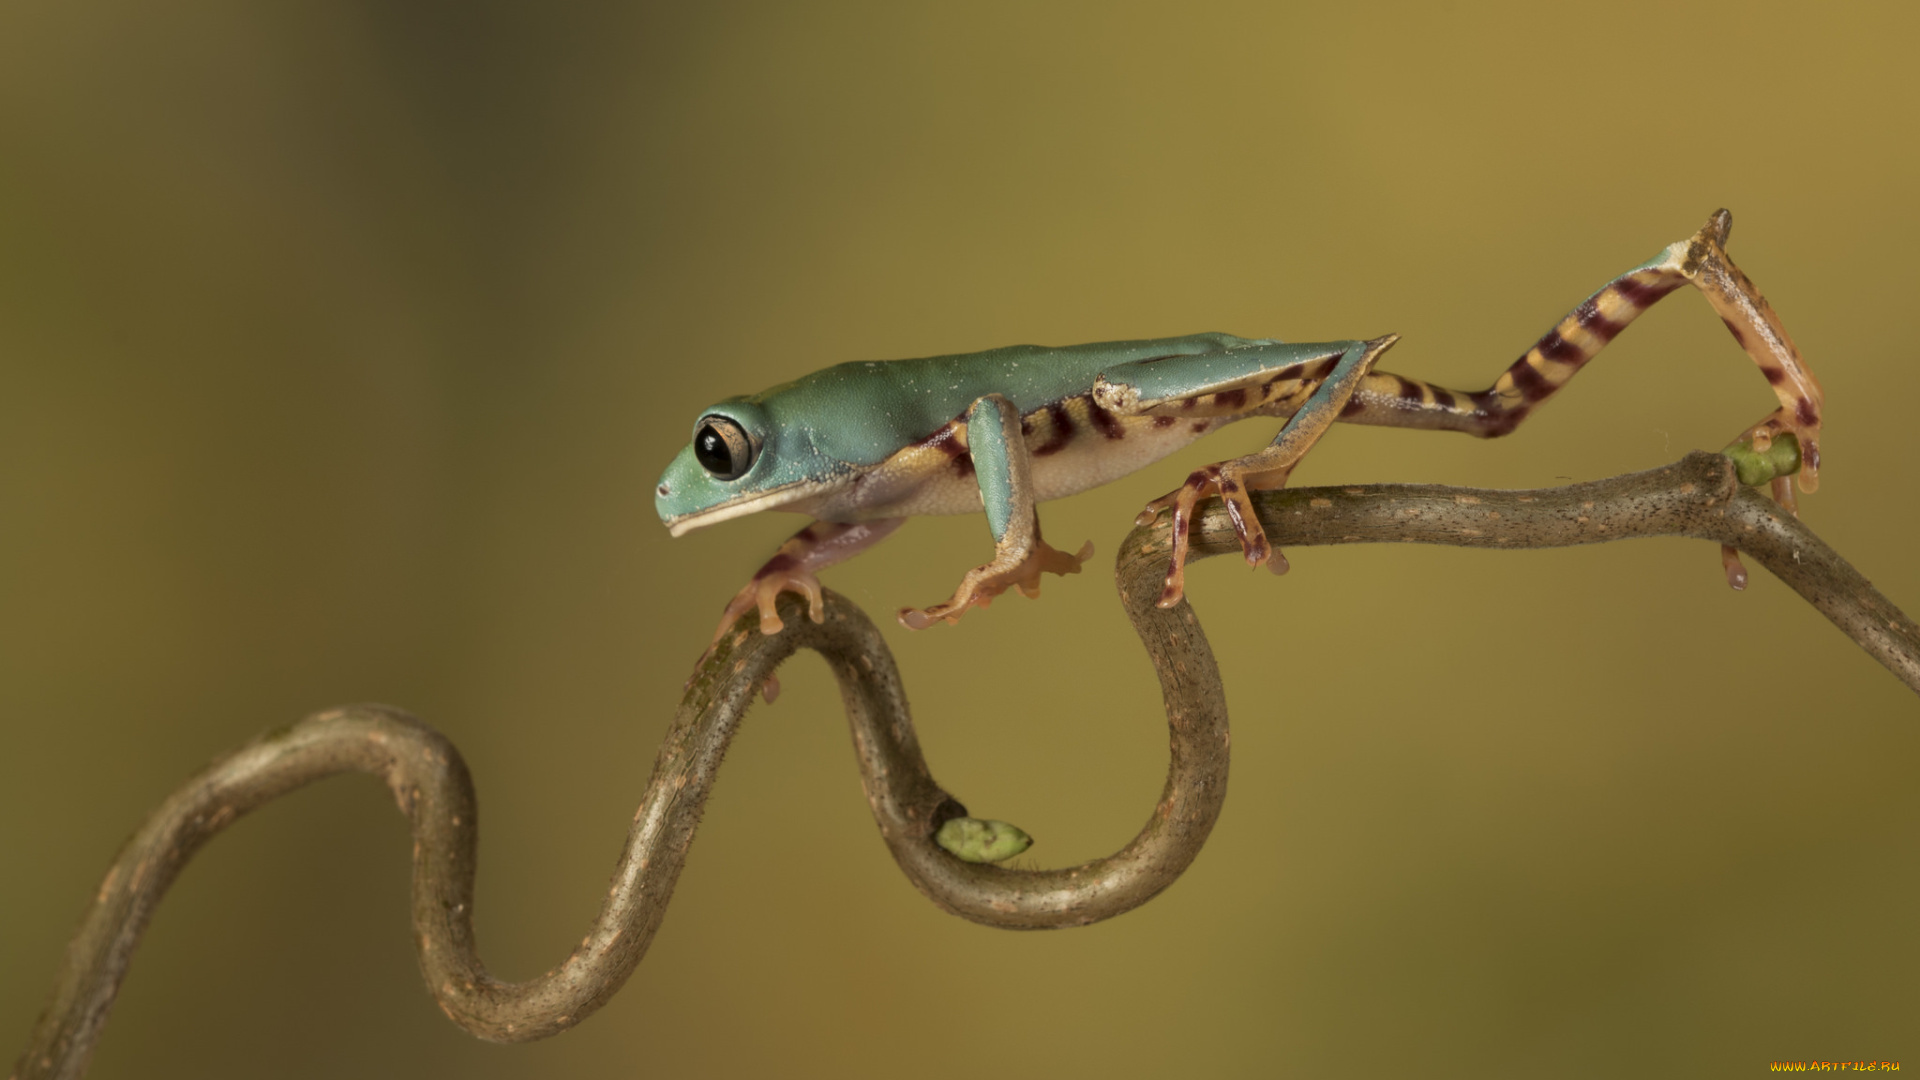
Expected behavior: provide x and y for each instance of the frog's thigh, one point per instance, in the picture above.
(1227, 382)
(1266, 469)
(1269, 467)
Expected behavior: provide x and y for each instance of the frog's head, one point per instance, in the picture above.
(740, 461)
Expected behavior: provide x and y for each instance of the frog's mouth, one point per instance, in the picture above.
(780, 498)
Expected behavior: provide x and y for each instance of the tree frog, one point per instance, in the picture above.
(862, 446)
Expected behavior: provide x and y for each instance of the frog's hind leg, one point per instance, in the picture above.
(1004, 467)
(1265, 470)
(1701, 261)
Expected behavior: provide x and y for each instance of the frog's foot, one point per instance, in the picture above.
(1756, 326)
(1736, 570)
(791, 569)
(983, 583)
(1787, 440)
(1231, 485)
(764, 590)
(761, 593)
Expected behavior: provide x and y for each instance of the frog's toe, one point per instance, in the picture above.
(922, 618)
(1181, 501)
(809, 586)
(983, 583)
(763, 593)
(770, 621)
(1735, 569)
(1153, 509)
(766, 595)
(1047, 559)
(974, 591)
(1202, 484)
(747, 599)
(966, 596)
(1253, 538)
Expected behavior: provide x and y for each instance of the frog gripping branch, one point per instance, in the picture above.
(862, 446)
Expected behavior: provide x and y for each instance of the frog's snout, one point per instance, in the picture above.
(662, 496)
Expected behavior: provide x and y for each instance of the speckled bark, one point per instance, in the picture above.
(1696, 497)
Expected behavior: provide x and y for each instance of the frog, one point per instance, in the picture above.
(862, 446)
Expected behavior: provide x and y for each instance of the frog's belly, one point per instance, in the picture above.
(934, 477)
(1095, 459)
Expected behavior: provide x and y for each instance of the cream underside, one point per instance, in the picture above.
(924, 481)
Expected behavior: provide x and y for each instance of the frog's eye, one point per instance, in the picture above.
(722, 448)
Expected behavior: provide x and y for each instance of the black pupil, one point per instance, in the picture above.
(711, 450)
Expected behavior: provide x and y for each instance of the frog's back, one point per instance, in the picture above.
(861, 412)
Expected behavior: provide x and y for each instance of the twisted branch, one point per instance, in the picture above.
(1696, 497)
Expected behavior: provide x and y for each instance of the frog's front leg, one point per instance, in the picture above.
(1266, 470)
(1004, 467)
(793, 568)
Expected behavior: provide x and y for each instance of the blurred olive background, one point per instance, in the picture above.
(343, 343)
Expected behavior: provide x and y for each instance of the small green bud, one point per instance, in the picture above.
(1756, 468)
(980, 841)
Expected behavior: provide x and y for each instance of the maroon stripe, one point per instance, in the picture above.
(1774, 375)
(1597, 324)
(1531, 384)
(1409, 390)
(1106, 422)
(963, 465)
(1230, 399)
(1165, 421)
(1555, 347)
(1804, 411)
(1497, 418)
(1062, 433)
(1288, 374)
(1643, 295)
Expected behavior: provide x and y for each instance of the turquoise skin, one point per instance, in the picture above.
(828, 427)
(862, 447)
